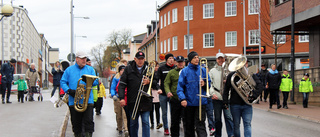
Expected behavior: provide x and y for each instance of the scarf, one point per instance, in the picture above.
(274, 72)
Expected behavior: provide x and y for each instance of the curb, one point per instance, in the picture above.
(64, 125)
(291, 115)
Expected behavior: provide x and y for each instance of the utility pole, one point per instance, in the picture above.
(292, 51)
(188, 45)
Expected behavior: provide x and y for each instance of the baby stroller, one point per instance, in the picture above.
(34, 90)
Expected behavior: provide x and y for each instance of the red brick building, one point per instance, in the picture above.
(218, 25)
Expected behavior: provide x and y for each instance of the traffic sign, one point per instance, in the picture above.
(114, 64)
(73, 57)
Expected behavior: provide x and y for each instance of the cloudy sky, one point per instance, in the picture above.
(52, 18)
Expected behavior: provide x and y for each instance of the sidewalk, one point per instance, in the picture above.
(295, 110)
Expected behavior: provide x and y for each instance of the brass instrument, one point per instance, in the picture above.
(245, 86)
(81, 97)
(60, 102)
(150, 72)
(224, 69)
(203, 63)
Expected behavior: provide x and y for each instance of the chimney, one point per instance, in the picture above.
(149, 29)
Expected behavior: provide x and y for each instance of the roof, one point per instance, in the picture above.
(138, 38)
(165, 4)
(150, 37)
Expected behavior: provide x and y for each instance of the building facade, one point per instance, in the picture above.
(218, 26)
(133, 47)
(148, 45)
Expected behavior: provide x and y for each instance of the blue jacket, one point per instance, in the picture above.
(188, 85)
(113, 86)
(70, 79)
(7, 73)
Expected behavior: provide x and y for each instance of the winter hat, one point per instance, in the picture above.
(121, 67)
(191, 55)
(168, 56)
(306, 74)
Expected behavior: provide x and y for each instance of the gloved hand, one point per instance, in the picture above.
(251, 99)
(115, 98)
(84, 79)
(71, 92)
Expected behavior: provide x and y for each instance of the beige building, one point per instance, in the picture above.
(133, 47)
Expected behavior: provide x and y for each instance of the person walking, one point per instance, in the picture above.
(155, 101)
(262, 75)
(101, 95)
(170, 86)
(57, 73)
(273, 81)
(187, 90)
(82, 122)
(238, 107)
(22, 87)
(218, 81)
(162, 73)
(7, 70)
(32, 76)
(285, 87)
(131, 79)
(305, 87)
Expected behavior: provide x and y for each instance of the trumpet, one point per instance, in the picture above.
(83, 93)
(203, 63)
(150, 72)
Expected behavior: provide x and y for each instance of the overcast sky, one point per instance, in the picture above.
(52, 18)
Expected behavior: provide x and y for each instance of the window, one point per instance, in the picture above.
(164, 46)
(254, 37)
(277, 2)
(303, 38)
(168, 44)
(190, 42)
(208, 11)
(161, 51)
(164, 20)
(174, 15)
(231, 38)
(161, 22)
(168, 17)
(186, 12)
(175, 43)
(254, 6)
(208, 40)
(231, 8)
(281, 39)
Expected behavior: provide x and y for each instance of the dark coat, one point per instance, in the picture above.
(7, 73)
(56, 76)
(263, 74)
(131, 79)
(273, 80)
(162, 74)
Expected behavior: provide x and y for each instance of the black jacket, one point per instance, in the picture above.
(7, 73)
(263, 74)
(235, 98)
(131, 79)
(56, 76)
(162, 73)
(273, 80)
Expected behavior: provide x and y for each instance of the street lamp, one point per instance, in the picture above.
(6, 11)
(75, 36)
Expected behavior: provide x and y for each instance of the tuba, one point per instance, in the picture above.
(150, 72)
(224, 69)
(245, 86)
(81, 97)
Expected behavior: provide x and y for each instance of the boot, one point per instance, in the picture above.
(88, 134)
(3, 101)
(8, 101)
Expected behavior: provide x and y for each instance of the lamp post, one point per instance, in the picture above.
(75, 36)
(6, 11)
(72, 29)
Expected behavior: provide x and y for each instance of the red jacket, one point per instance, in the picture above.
(0, 78)
(125, 92)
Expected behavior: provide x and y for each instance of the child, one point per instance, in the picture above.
(285, 87)
(22, 86)
(101, 94)
(305, 87)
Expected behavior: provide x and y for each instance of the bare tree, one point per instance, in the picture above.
(110, 55)
(98, 53)
(119, 40)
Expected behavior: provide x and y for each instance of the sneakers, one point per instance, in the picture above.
(279, 107)
(285, 107)
(166, 132)
(152, 126)
(212, 131)
(98, 113)
(159, 126)
(120, 133)
(126, 133)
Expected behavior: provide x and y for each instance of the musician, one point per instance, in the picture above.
(239, 109)
(187, 90)
(170, 86)
(130, 79)
(57, 73)
(216, 79)
(69, 83)
(162, 73)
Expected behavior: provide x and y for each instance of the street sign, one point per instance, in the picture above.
(114, 64)
(73, 57)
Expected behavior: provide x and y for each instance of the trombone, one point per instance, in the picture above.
(149, 73)
(203, 63)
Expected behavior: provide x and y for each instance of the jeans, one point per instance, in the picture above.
(54, 89)
(305, 99)
(193, 123)
(218, 108)
(209, 110)
(6, 86)
(285, 98)
(134, 124)
(244, 112)
(164, 107)
(79, 119)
